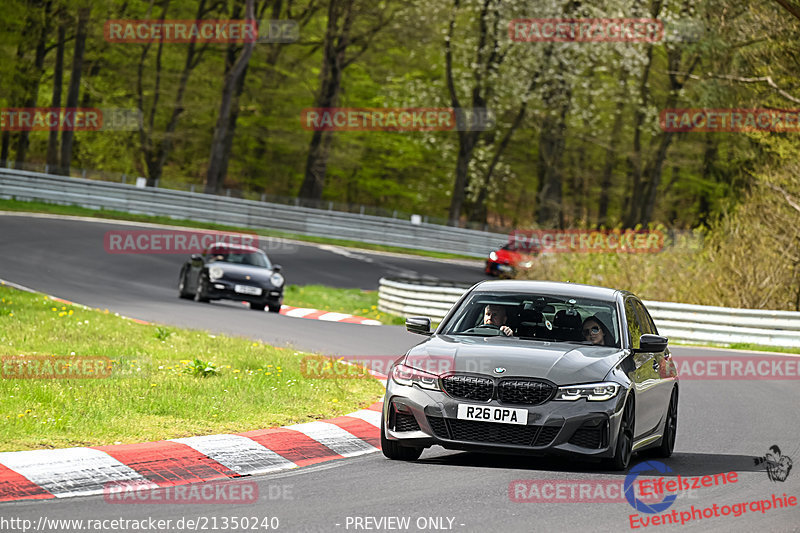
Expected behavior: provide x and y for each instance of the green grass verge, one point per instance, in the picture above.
(352, 301)
(149, 395)
(43, 207)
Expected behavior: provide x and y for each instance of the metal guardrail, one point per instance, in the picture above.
(30, 186)
(679, 322)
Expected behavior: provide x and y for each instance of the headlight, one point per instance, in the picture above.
(405, 375)
(276, 279)
(594, 392)
(493, 256)
(215, 273)
(526, 264)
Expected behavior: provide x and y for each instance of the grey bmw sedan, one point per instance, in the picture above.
(533, 367)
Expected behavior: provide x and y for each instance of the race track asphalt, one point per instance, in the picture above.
(723, 425)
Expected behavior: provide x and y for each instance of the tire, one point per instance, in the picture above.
(667, 443)
(623, 449)
(200, 294)
(275, 308)
(257, 307)
(182, 288)
(392, 450)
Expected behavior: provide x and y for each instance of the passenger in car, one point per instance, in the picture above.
(497, 315)
(596, 332)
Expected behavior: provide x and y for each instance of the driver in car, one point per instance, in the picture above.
(496, 315)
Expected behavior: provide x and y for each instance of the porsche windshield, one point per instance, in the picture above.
(537, 316)
(257, 259)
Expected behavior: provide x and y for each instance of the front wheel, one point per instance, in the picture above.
(200, 293)
(182, 292)
(392, 449)
(275, 308)
(623, 450)
(257, 307)
(670, 428)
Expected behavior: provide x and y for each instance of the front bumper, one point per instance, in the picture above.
(222, 289)
(422, 418)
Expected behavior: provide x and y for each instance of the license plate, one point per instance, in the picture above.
(485, 413)
(246, 289)
(505, 268)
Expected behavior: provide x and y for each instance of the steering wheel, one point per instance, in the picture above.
(483, 326)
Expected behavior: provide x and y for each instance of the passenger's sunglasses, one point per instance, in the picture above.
(594, 330)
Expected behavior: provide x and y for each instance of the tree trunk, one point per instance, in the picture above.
(74, 86)
(234, 78)
(58, 81)
(32, 97)
(333, 62)
(610, 163)
(551, 150)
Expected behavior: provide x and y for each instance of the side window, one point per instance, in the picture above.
(634, 327)
(648, 326)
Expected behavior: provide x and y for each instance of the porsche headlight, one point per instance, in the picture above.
(594, 392)
(276, 279)
(215, 273)
(493, 256)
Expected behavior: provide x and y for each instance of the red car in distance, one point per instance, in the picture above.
(506, 261)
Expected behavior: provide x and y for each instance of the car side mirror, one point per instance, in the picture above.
(197, 258)
(419, 324)
(276, 268)
(651, 343)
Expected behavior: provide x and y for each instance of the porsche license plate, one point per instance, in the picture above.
(247, 289)
(485, 413)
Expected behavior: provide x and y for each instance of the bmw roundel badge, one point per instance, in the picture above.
(499, 370)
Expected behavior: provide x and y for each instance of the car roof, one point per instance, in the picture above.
(551, 287)
(237, 247)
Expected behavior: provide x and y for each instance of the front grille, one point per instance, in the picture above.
(524, 391)
(438, 426)
(589, 437)
(469, 387)
(469, 430)
(546, 435)
(405, 422)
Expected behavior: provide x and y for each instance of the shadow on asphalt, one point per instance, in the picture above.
(684, 464)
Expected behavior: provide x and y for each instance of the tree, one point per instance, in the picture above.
(340, 35)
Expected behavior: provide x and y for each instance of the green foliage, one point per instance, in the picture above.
(200, 368)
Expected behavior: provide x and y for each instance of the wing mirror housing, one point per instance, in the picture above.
(651, 344)
(276, 268)
(419, 324)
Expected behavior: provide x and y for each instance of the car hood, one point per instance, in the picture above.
(237, 272)
(562, 363)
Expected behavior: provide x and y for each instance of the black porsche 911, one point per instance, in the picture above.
(233, 272)
(535, 368)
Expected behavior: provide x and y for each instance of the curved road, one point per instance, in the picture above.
(722, 424)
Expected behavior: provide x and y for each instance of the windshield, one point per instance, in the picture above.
(257, 259)
(537, 316)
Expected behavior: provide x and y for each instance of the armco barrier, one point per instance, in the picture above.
(679, 322)
(24, 185)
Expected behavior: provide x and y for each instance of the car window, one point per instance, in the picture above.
(634, 326)
(533, 316)
(648, 326)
